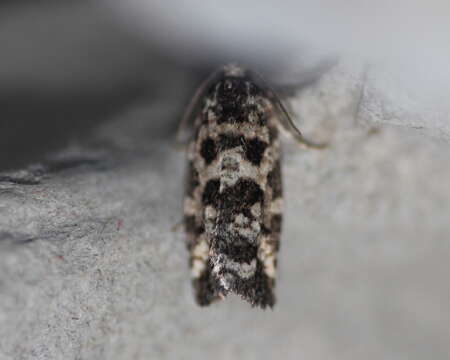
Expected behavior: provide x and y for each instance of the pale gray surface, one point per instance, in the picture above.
(90, 269)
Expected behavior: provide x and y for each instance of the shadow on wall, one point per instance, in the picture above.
(66, 67)
(69, 66)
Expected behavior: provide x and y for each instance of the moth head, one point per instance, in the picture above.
(234, 70)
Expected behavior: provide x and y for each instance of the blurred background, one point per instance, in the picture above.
(67, 65)
(94, 90)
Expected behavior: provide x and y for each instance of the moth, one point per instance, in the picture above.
(233, 195)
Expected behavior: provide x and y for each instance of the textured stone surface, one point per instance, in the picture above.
(90, 268)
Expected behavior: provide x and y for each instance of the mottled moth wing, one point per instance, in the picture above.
(197, 243)
(233, 197)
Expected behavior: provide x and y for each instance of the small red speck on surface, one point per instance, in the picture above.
(119, 224)
(60, 257)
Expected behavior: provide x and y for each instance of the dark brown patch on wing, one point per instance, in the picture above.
(275, 224)
(211, 192)
(258, 290)
(232, 96)
(229, 141)
(243, 194)
(206, 287)
(254, 150)
(233, 103)
(274, 181)
(239, 250)
(192, 180)
(191, 225)
(208, 150)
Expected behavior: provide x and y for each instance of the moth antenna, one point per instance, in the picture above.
(285, 118)
(193, 105)
(286, 122)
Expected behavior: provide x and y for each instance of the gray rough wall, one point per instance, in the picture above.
(90, 268)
